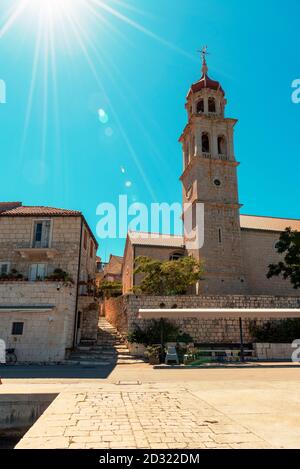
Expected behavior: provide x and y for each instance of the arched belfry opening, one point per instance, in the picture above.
(200, 106)
(211, 104)
(222, 145)
(205, 143)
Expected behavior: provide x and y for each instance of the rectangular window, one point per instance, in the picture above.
(220, 235)
(17, 328)
(37, 272)
(194, 216)
(91, 249)
(41, 234)
(85, 240)
(4, 268)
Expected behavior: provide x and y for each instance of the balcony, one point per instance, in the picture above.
(37, 253)
(223, 157)
(206, 155)
(209, 156)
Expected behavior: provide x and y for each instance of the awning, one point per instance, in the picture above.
(27, 308)
(220, 313)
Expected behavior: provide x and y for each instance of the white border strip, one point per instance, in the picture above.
(216, 313)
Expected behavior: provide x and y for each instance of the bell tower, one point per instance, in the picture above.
(210, 177)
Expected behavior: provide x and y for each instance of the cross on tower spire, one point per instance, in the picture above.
(204, 53)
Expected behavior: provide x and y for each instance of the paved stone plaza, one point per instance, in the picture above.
(137, 416)
(218, 408)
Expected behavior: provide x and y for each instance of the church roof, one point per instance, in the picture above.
(253, 222)
(206, 82)
(155, 239)
(247, 222)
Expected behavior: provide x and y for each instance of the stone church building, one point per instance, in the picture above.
(237, 248)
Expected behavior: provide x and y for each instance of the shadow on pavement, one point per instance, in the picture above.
(56, 371)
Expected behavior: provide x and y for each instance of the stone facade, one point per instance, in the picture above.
(69, 246)
(47, 333)
(259, 251)
(202, 330)
(163, 253)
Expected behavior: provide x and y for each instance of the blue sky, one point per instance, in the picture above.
(136, 61)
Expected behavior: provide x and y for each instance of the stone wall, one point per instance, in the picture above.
(269, 351)
(89, 309)
(46, 334)
(125, 309)
(116, 312)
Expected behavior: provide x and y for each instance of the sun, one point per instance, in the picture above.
(50, 11)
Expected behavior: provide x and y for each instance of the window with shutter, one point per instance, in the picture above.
(41, 236)
(37, 272)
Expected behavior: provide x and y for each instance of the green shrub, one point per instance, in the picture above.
(155, 331)
(277, 331)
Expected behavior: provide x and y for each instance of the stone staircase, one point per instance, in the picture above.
(110, 349)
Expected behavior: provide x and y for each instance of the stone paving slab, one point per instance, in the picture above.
(141, 416)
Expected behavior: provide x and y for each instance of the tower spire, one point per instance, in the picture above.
(204, 53)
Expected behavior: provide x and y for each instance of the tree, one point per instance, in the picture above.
(289, 268)
(109, 289)
(167, 277)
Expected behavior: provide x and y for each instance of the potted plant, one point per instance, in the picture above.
(136, 342)
(153, 352)
(59, 275)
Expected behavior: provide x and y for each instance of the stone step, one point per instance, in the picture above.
(109, 349)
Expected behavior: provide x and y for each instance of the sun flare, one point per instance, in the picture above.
(65, 28)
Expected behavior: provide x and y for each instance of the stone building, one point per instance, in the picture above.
(44, 311)
(237, 248)
(111, 271)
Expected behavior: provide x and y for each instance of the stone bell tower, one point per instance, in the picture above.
(210, 177)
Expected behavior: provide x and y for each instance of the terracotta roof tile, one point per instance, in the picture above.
(206, 82)
(27, 211)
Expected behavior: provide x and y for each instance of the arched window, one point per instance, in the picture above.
(175, 256)
(205, 143)
(222, 145)
(211, 105)
(200, 106)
